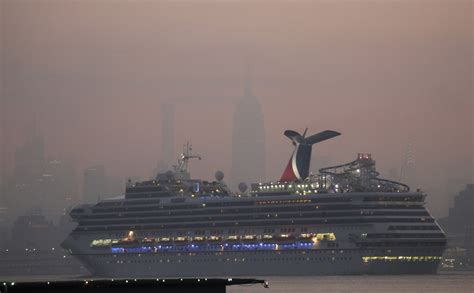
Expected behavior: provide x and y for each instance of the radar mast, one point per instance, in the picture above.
(186, 155)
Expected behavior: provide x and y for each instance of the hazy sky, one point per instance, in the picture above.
(90, 76)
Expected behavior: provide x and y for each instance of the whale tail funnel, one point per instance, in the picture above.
(298, 166)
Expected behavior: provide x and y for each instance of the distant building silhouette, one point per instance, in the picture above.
(95, 184)
(37, 183)
(34, 231)
(3, 225)
(461, 215)
(3, 171)
(459, 224)
(22, 188)
(29, 160)
(248, 140)
(58, 187)
(22, 191)
(408, 169)
(115, 186)
(167, 137)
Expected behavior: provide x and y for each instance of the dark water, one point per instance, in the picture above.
(452, 283)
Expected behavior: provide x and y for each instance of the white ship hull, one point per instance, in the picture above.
(250, 264)
(345, 259)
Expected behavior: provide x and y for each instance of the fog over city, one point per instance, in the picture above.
(91, 77)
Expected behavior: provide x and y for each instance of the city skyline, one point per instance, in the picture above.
(338, 68)
(293, 140)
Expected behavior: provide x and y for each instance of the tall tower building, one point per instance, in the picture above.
(29, 160)
(248, 140)
(59, 186)
(408, 169)
(95, 184)
(167, 137)
(23, 191)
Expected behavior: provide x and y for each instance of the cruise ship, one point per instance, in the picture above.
(342, 220)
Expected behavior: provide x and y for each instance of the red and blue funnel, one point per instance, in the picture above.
(298, 166)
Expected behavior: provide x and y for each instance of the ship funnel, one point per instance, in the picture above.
(298, 166)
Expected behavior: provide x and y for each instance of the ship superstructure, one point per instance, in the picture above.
(343, 220)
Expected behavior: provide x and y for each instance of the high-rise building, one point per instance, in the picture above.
(459, 224)
(48, 185)
(29, 160)
(248, 140)
(95, 184)
(408, 169)
(22, 191)
(34, 231)
(115, 186)
(167, 137)
(3, 224)
(3, 171)
(58, 187)
(461, 218)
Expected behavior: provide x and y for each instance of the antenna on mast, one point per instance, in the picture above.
(183, 160)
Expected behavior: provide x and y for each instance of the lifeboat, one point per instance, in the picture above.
(267, 238)
(101, 243)
(284, 238)
(214, 239)
(306, 237)
(148, 240)
(125, 242)
(181, 240)
(325, 237)
(232, 239)
(249, 238)
(199, 239)
(164, 240)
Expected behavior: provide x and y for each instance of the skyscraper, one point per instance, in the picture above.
(29, 160)
(3, 224)
(459, 224)
(460, 214)
(95, 184)
(59, 186)
(23, 191)
(408, 169)
(167, 137)
(115, 186)
(248, 140)
(38, 183)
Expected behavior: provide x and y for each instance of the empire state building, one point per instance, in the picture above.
(248, 140)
